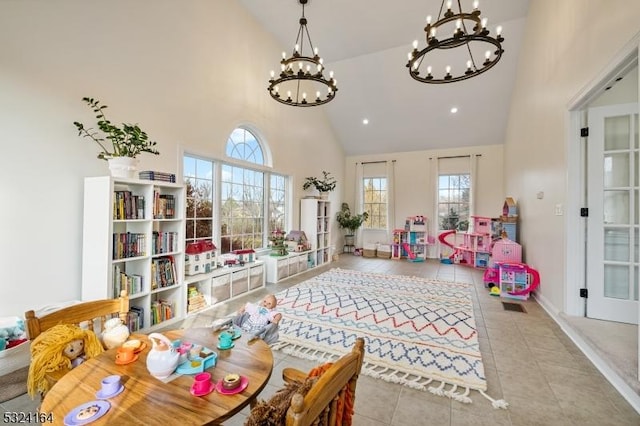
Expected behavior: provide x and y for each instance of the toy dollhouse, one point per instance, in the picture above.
(200, 258)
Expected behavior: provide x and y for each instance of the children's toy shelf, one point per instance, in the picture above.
(476, 245)
(412, 241)
(133, 239)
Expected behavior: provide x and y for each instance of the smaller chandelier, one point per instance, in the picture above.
(301, 81)
(468, 32)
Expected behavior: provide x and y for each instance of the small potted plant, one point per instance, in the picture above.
(324, 185)
(350, 222)
(126, 141)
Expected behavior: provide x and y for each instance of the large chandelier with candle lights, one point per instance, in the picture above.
(301, 81)
(459, 46)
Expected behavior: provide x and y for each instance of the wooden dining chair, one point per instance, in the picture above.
(335, 387)
(91, 315)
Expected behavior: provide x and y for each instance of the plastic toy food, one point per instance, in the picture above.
(231, 381)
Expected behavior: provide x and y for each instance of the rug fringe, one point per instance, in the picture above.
(496, 403)
(390, 375)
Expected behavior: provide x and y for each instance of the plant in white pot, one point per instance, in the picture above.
(127, 141)
(324, 185)
(350, 223)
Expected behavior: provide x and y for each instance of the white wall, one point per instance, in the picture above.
(566, 45)
(188, 72)
(414, 194)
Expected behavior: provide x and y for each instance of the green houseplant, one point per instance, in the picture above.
(127, 140)
(326, 183)
(350, 222)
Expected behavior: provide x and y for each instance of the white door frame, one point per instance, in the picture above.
(575, 226)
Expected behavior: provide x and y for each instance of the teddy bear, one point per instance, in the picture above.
(115, 333)
(63, 346)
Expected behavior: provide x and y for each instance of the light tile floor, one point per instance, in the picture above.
(528, 361)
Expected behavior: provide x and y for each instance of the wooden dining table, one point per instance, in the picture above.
(147, 400)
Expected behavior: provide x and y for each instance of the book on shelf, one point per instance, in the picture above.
(161, 310)
(135, 318)
(163, 272)
(164, 206)
(160, 176)
(127, 206)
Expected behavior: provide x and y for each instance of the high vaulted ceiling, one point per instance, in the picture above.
(365, 42)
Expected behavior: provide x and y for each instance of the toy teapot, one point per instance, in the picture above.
(162, 359)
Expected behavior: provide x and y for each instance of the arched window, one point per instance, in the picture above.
(243, 145)
(253, 198)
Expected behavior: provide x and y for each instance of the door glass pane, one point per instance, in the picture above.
(616, 170)
(616, 281)
(635, 138)
(635, 180)
(616, 244)
(616, 133)
(635, 283)
(635, 243)
(636, 211)
(616, 207)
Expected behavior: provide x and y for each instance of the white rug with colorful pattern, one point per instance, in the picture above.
(418, 332)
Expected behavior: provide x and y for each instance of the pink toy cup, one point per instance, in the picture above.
(202, 382)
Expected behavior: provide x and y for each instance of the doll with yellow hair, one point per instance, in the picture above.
(63, 346)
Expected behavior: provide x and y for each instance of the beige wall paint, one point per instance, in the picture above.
(415, 188)
(566, 45)
(187, 72)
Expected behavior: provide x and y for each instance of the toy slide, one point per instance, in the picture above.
(411, 255)
(443, 238)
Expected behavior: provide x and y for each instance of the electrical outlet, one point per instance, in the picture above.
(558, 210)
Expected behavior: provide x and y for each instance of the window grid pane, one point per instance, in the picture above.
(375, 202)
(453, 201)
(198, 177)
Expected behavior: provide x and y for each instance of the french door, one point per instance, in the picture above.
(612, 230)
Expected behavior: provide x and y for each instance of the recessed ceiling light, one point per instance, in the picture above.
(454, 110)
(365, 121)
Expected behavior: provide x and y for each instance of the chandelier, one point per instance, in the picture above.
(468, 32)
(301, 81)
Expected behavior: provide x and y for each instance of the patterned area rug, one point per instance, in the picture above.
(418, 332)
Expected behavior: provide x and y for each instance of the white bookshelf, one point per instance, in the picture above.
(315, 221)
(102, 266)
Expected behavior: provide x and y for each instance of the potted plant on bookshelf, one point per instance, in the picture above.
(350, 223)
(324, 185)
(127, 141)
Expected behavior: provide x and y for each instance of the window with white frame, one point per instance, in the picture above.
(253, 199)
(375, 196)
(198, 178)
(454, 192)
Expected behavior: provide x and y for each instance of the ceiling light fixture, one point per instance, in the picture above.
(469, 32)
(300, 74)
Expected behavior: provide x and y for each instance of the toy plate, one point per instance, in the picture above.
(81, 415)
(244, 382)
(237, 333)
(134, 359)
(212, 386)
(101, 395)
(224, 349)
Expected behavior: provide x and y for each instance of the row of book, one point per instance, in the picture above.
(127, 206)
(129, 244)
(161, 176)
(135, 318)
(161, 310)
(121, 281)
(164, 242)
(164, 206)
(163, 272)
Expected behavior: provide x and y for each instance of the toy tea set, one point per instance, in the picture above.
(164, 358)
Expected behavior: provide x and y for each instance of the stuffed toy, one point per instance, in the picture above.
(62, 346)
